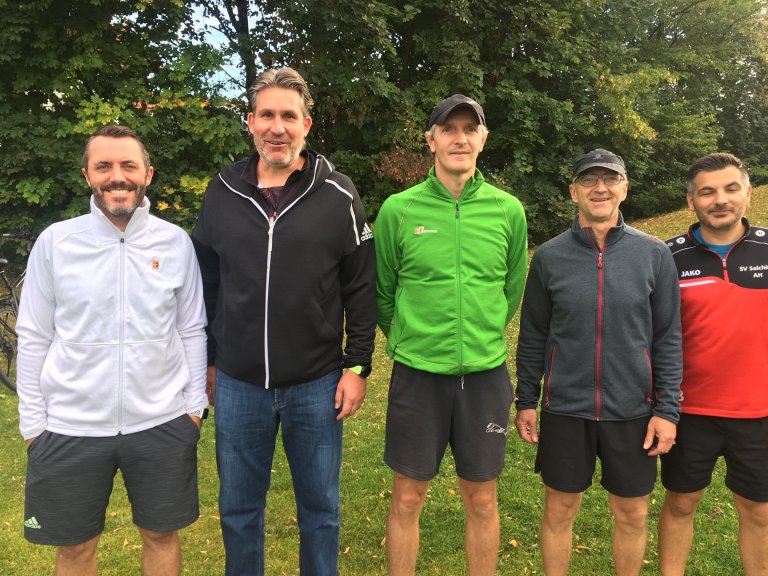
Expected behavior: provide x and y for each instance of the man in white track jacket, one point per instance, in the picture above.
(112, 367)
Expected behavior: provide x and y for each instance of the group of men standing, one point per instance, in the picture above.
(113, 370)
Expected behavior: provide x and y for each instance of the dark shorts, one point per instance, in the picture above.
(69, 481)
(701, 440)
(569, 448)
(426, 412)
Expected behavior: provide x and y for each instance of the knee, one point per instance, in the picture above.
(630, 516)
(560, 507)
(752, 514)
(158, 539)
(79, 552)
(481, 504)
(408, 502)
(681, 505)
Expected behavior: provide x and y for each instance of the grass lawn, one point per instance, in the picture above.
(365, 498)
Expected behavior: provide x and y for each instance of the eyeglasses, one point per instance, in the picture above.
(590, 180)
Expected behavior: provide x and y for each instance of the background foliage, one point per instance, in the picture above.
(658, 81)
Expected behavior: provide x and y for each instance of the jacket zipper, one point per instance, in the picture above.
(120, 355)
(457, 239)
(266, 303)
(599, 346)
(272, 222)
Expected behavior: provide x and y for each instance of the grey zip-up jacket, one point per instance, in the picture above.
(602, 327)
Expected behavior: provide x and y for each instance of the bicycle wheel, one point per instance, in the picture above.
(8, 349)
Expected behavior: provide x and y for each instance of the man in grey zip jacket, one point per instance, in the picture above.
(288, 268)
(601, 323)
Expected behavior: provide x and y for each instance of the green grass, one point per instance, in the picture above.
(365, 498)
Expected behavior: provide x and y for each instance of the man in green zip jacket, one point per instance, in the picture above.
(451, 260)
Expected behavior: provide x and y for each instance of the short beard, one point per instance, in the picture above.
(121, 212)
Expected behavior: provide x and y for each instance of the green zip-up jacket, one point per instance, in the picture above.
(450, 274)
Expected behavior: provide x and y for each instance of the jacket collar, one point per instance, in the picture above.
(695, 225)
(135, 232)
(470, 188)
(584, 235)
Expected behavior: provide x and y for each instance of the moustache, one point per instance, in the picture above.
(119, 186)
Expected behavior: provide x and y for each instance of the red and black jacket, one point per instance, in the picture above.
(724, 307)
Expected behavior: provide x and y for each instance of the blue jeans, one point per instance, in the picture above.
(247, 419)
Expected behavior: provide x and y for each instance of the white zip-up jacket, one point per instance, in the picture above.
(111, 328)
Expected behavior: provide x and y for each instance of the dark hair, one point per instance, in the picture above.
(282, 78)
(713, 162)
(113, 131)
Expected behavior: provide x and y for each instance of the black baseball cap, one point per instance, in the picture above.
(601, 158)
(443, 109)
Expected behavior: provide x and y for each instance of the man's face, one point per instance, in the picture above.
(278, 126)
(117, 176)
(720, 198)
(599, 203)
(457, 143)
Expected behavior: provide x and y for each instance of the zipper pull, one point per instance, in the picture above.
(599, 260)
(457, 210)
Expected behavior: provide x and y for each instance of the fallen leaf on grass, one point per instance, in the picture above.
(716, 511)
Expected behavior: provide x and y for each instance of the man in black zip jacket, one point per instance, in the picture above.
(288, 267)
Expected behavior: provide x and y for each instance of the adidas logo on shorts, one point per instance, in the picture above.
(32, 523)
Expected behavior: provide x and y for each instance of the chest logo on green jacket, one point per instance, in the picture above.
(422, 230)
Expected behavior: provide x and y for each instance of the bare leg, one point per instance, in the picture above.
(676, 531)
(482, 532)
(560, 509)
(77, 560)
(630, 533)
(161, 555)
(753, 535)
(408, 497)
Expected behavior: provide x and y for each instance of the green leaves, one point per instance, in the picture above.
(658, 81)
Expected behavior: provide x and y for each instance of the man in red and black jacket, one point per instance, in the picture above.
(722, 264)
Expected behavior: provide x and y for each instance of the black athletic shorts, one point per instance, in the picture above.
(69, 481)
(569, 447)
(743, 443)
(427, 412)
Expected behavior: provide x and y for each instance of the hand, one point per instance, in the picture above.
(350, 394)
(660, 436)
(30, 440)
(210, 384)
(525, 422)
(196, 419)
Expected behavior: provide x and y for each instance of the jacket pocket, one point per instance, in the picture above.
(548, 383)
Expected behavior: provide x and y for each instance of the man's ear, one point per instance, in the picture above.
(430, 140)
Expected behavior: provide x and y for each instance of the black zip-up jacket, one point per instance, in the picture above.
(602, 327)
(280, 293)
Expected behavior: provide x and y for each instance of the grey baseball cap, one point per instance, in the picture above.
(444, 108)
(601, 158)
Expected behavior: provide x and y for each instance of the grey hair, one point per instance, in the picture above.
(282, 78)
